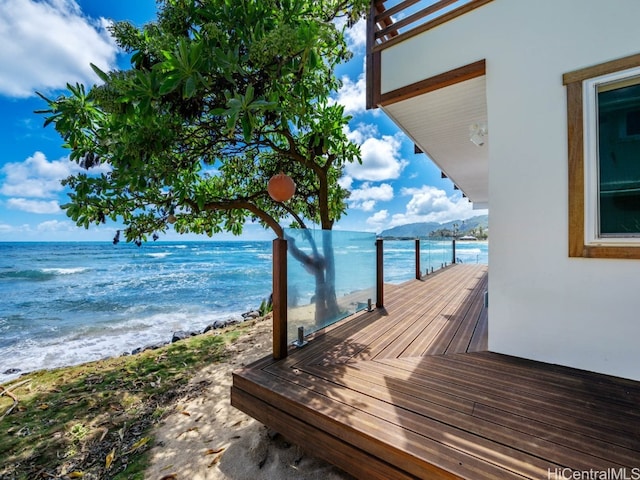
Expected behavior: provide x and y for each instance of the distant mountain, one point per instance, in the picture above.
(423, 229)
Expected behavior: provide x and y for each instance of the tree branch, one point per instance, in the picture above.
(246, 205)
(295, 215)
(314, 262)
(293, 152)
(306, 233)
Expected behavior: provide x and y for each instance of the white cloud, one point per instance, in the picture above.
(365, 197)
(381, 158)
(352, 95)
(56, 226)
(362, 132)
(427, 200)
(357, 36)
(33, 206)
(36, 177)
(63, 230)
(430, 204)
(345, 182)
(35, 183)
(47, 43)
(379, 219)
(367, 205)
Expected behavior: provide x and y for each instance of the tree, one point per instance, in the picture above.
(220, 96)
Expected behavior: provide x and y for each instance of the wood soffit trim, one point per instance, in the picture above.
(385, 13)
(458, 75)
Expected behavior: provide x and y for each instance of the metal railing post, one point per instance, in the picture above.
(279, 298)
(379, 274)
(453, 260)
(418, 273)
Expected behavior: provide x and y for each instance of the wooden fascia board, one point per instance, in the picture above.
(447, 17)
(461, 74)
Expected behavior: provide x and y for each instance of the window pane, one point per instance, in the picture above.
(619, 159)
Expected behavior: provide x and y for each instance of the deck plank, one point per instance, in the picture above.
(321, 443)
(424, 315)
(558, 410)
(469, 318)
(409, 399)
(479, 340)
(542, 426)
(427, 441)
(366, 431)
(409, 391)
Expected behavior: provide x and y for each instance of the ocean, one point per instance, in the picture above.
(68, 303)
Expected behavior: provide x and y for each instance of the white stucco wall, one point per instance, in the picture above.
(544, 306)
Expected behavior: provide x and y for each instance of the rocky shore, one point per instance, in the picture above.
(182, 334)
(176, 336)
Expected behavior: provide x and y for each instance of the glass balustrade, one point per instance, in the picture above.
(330, 275)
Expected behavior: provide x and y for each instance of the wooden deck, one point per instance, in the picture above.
(409, 392)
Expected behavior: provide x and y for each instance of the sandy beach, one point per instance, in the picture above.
(205, 438)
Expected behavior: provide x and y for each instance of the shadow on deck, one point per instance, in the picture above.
(409, 391)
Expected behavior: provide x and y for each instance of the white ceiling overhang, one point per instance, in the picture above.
(439, 123)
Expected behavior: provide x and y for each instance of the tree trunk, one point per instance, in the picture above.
(331, 301)
(322, 267)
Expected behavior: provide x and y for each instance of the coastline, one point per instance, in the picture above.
(16, 372)
(185, 427)
(69, 303)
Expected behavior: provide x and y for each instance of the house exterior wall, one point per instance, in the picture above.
(544, 306)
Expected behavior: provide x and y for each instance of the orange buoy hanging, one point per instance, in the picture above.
(281, 187)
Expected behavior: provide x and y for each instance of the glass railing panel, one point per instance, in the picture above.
(446, 245)
(399, 261)
(330, 275)
(428, 261)
(434, 254)
(472, 251)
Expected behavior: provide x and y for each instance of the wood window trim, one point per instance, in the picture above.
(575, 123)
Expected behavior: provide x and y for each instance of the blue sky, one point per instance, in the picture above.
(47, 43)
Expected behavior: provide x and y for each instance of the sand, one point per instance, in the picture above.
(205, 438)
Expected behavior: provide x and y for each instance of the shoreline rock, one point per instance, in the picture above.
(184, 334)
(175, 337)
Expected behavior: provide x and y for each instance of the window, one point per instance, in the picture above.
(603, 106)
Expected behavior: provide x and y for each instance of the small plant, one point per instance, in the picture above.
(265, 307)
(78, 432)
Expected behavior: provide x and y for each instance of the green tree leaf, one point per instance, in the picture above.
(221, 95)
